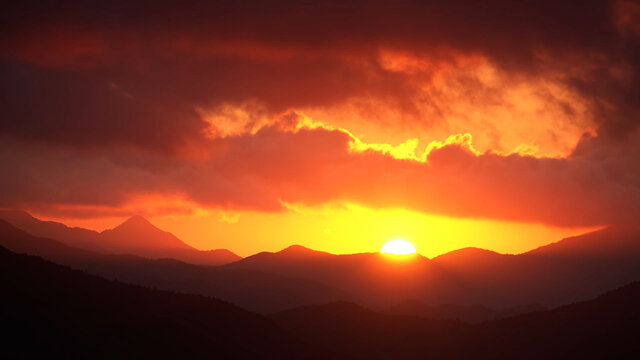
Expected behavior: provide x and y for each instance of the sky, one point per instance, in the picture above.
(336, 125)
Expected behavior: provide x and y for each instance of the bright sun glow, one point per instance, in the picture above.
(398, 247)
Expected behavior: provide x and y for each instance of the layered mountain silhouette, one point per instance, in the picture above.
(606, 327)
(572, 269)
(136, 236)
(254, 290)
(467, 313)
(375, 279)
(53, 311)
(468, 284)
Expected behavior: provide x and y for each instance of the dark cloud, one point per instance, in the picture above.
(100, 101)
(89, 111)
(293, 54)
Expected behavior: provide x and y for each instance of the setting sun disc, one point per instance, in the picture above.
(398, 247)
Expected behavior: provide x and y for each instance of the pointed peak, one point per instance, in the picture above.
(296, 248)
(138, 233)
(137, 219)
(299, 250)
(136, 222)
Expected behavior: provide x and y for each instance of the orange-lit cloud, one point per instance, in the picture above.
(430, 107)
(286, 162)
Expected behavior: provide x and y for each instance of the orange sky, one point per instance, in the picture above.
(343, 229)
(349, 227)
(445, 124)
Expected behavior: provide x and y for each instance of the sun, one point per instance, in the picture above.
(398, 247)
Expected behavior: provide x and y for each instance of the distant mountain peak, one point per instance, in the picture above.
(138, 233)
(137, 220)
(300, 250)
(468, 256)
(467, 251)
(295, 248)
(473, 250)
(135, 236)
(137, 224)
(619, 239)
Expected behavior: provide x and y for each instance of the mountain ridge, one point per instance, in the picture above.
(78, 315)
(602, 327)
(136, 235)
(471, 276)
(238, 286)
(465, 277)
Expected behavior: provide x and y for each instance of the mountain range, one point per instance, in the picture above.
(469, 284)
(606, 327)
(255, 290)
(572, 269)
(52, 310)
(136, 236)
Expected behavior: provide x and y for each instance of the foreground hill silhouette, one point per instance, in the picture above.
(51, 310)
(467, 313)
(136, 236)
(254, 290)
(606, 327)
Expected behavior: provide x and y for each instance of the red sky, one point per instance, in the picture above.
(254, 125)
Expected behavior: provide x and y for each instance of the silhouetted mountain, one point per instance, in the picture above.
(618, 241)
(374, 279)
(138, 234)
(19, 241)
(365, 334)
(464, 256)
(570, 270)
(75, 237)
(606, 327)
(289, 257)
(135, 236)
(250, 289)
(469, 313)
(573, 269)
(50, 310)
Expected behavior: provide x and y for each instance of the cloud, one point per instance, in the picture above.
(88, 112)
(103, 102)
(426, 63)
(317, 165)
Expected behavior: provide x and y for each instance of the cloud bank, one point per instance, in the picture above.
(105, 103)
